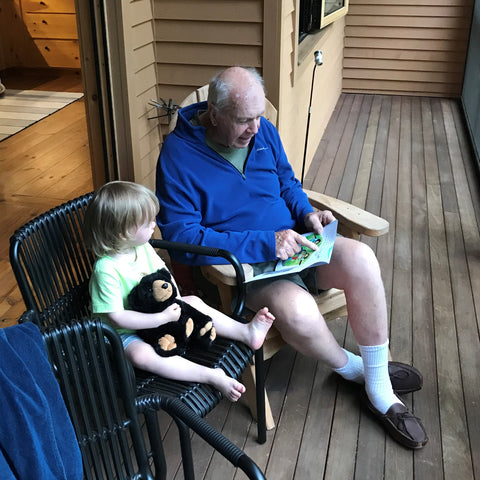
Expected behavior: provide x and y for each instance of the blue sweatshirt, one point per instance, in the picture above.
(205, 200)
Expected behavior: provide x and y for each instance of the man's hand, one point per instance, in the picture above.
(314, 221)
(289, 242)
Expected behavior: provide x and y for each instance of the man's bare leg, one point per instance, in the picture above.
(355, 270)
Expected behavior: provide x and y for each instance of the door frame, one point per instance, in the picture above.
(100, 37)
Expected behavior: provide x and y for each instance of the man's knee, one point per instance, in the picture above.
(298, 325)
(297, 309)
(358, 256)
(366, 260)
(288, 302)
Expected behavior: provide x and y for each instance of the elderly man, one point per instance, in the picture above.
(223, 180)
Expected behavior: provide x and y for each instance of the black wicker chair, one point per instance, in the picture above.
(98, 386)
(52, 267)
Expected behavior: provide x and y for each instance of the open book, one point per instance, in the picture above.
(306, 257)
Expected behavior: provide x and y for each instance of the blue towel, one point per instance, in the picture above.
(37, 440)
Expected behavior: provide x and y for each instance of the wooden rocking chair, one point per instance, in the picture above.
(352, 222)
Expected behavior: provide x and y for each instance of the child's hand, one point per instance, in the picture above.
(170, 314)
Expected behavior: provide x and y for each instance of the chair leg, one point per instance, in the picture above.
(253, 378)
(221, 444)
(186, 448)
(257, 399)
(225, 293)
(151, 421)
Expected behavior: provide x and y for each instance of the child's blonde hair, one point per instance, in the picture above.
(116, 210)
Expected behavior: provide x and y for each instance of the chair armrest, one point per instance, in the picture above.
(224, 277)
(353, 221)
(237, 272)
(30, 316)
(225, 273)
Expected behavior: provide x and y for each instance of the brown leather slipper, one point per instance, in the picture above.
(404, 378)
(400, 423)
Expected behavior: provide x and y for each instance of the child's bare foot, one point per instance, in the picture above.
(258, 328)
(230, 388)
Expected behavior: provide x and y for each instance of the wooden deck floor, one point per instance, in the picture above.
(408, 160)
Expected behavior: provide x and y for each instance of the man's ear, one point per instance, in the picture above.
(212, 114)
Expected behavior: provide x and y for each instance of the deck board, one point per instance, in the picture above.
(415, 175)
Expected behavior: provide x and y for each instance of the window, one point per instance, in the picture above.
(316, 14)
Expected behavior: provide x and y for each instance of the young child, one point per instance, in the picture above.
(118, 225)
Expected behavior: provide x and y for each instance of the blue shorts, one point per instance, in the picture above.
(128, 338)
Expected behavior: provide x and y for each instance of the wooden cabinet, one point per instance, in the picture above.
(52, 26)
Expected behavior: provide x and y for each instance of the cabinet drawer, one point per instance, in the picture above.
(48, 6)
(56, 26)
(59, 53)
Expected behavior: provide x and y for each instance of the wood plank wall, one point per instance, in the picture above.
(140, 63)
(295, 80)
(414, 47)
(195, 39)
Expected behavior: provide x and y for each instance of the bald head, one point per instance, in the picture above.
(236, 102)
(234, 86)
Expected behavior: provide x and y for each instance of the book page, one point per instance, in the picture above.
(306, 257)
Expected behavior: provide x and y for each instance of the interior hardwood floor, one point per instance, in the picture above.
(407, 159)
(42, 166)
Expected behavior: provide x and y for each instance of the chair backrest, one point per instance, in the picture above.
(201, 94)
(88, 361)
(52, 265)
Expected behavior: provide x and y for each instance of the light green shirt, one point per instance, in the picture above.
(236, 156)
(112, 279)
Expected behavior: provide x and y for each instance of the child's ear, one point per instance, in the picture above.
(129, 235)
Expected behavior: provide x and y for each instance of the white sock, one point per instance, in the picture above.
(377, 380)
(353, 369)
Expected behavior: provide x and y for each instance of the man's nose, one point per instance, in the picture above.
(254, 125)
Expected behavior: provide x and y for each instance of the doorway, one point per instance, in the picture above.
(42, 166)
(40, 51)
